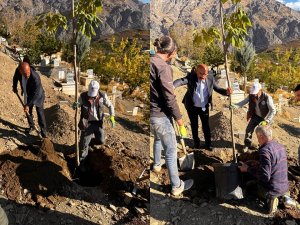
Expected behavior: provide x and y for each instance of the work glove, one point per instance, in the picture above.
(182, 131)
(75, 105)
(233, 106)
(113, 122)
(264, 123)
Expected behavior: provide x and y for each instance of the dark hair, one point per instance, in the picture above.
(297, 88)
(165, 45)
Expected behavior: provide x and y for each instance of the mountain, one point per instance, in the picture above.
(273, 22)
(117, 15)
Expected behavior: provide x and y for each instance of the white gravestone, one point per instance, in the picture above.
(70, 78)
(61, 75)
(135, 111)
(56, 63)
(90, 73)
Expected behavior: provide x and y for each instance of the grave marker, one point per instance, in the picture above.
(135, 111)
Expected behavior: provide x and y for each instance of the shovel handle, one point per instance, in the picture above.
(180, 137)
(28, 116)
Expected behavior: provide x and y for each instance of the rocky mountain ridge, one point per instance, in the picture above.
(273, 22)
(117, 15)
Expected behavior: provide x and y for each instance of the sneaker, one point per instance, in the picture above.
(272, 204)
(184, 186)
(156, 169)
(28, 130)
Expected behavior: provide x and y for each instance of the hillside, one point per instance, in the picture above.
(38, 182)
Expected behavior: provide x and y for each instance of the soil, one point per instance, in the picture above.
(39, 183)
(199, 205)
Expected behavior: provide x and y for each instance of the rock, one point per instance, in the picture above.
(165, 201)
(290, 222)
(139, 210)
(71, 203)
(103, 209)
(175, 219)
(25, 191)
(203, 204)
(127, 198)
(112, 207)
(123, 210)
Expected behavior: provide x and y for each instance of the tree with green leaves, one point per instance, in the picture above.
(234, 29)
(213, 56)
(84, 20)
(48, 44)
(244, 57)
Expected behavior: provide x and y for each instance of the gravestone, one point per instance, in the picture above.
(70, 78)
(90, 73)
(135, 111)
(56, 63)
(61, 75)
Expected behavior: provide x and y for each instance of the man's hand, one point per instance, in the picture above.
(26, 109)
(182, 131)
(229, 91)
(113, 122)
(243, 167)
(233, 106)
(75, 105)
(15, 90)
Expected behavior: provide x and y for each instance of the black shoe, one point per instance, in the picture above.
(44, 133)
(209, 148)
(196, 146)
(28, 130)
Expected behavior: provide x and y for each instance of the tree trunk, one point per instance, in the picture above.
(245, 82)
(228, 80)
(76, 86)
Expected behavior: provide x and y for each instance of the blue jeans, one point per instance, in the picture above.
(164, 137)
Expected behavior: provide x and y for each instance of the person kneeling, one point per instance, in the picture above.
(272, 170)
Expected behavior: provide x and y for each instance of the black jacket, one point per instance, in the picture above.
(34, 90)
(18, 78)
(191, 81)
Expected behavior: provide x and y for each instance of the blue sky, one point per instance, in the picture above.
(294, 4)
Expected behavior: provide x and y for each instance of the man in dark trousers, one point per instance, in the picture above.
(92, 104)
(34, 96)
(197, 99)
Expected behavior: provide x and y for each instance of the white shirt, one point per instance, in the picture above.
(201, 101)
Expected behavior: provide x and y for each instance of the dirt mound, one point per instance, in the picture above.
(118, 169)
(32, 174)
(59, 122)
(220, 129)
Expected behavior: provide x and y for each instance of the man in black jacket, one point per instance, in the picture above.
(197, 99)
(34, 92)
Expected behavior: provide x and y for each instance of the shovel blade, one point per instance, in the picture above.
(187, 162)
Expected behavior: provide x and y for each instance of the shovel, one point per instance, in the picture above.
(186, 162)
(139, 179)
(29, 117)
